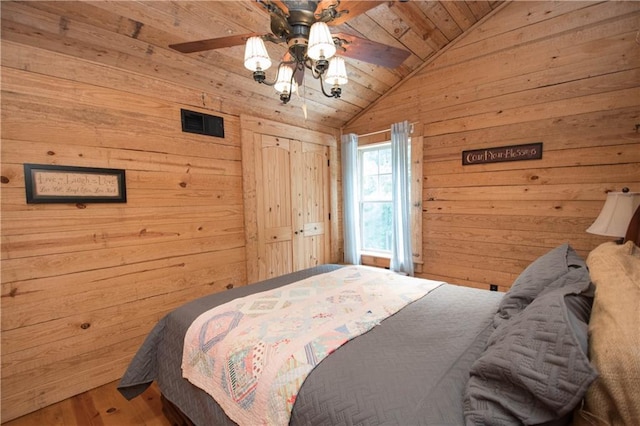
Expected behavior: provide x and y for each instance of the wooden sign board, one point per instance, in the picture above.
(531, 151)
(68, 184)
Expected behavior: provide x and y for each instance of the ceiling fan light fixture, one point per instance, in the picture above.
(302, 25)
(337, 72)
(256, 57)
(285, 83)
(321, 44)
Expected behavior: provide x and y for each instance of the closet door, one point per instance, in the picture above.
(289, 179)
(274, 206)
(315, 206)
(292, 198)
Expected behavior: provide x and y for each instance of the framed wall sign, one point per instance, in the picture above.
(530, 151)
(69, 184)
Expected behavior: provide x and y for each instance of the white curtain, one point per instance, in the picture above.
(401, 254)
(350, 198)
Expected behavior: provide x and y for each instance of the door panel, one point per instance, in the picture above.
(276, 184)
(314, 228)
(278, 259)
(314, 249)
(277, 234)
(273, 196)
(315, 159)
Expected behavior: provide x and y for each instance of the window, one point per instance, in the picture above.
(368, 199)
(374, 164)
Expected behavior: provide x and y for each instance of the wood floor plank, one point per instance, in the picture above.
(103, 406)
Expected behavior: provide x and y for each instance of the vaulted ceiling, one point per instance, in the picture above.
(133, 32)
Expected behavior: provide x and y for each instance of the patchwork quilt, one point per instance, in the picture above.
(253, 354)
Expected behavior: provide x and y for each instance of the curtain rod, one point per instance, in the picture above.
(385, 130)
(374, 133)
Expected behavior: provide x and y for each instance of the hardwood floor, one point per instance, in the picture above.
(103, 406)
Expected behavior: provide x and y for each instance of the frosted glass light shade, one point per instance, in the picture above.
(616, 214)
(337, 72)
(320, 42)
(285, 83)
(255, 55)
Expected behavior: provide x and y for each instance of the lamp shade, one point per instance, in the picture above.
(616, 214)
(255, 55)
(320, 42)
(285, 82)
(337, 72)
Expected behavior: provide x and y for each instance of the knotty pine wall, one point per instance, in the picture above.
(83, 284)
(563, 73)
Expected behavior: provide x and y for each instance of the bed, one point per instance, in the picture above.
(456, 356)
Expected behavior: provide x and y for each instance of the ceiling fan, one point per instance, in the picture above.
(296, 23)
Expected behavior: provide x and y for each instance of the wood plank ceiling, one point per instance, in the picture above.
(128, 33)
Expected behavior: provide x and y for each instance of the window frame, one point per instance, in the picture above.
(417, 153)
(361, 150)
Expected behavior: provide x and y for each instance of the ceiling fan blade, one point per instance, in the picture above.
(212, 43)
(353, 7)
(371, 51)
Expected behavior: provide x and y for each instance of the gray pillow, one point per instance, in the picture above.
(535, 369)
(540, 276)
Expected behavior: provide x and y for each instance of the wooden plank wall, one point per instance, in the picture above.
(563, 73)
(83, 284)
(83, 84)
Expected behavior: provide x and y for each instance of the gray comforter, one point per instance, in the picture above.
(409, 370)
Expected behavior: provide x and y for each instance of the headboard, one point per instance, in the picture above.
(633, 231)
